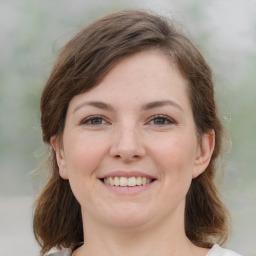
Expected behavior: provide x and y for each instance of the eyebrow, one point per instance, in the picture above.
(148, 106)
(157, 104)
(97, 104)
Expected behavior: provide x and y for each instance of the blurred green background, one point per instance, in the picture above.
(32, 33)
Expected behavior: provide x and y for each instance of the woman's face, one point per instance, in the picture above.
(129, 146)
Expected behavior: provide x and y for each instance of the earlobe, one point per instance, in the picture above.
(204, 153)
(60, 157)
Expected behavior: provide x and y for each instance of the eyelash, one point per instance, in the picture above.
(88, 120)
(167, 120)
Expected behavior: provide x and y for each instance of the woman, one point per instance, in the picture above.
(130, 115)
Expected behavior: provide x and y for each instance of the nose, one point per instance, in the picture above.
(127, 144)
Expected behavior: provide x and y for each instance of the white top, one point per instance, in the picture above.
(215, 251)
(218, 251)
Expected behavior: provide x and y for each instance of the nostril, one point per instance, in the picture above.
(127, 157)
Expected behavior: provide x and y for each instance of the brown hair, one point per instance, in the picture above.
(81, 65)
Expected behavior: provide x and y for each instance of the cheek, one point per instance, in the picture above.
(83, 155)
(179, 149)
(174, 158)
(175, 155)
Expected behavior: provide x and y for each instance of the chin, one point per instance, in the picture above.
(129, 222)
(128, 216)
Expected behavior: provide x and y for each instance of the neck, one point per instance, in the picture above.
(165, 239)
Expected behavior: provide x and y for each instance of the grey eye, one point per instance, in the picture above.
(161, 120)
(94, 120)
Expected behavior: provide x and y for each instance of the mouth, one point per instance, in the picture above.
(126, 181)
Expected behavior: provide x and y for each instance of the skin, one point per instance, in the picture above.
(127, 130)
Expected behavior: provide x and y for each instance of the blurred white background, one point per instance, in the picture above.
(32, 33)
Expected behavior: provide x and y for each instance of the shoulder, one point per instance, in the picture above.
(64, 252)
(218, 251)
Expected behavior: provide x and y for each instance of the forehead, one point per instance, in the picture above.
(144, 76)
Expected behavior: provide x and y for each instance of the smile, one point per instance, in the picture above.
(127, 182)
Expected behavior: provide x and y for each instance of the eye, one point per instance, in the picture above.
(161, 120)
(94, 120)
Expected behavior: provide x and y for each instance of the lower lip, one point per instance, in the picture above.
(128, 190)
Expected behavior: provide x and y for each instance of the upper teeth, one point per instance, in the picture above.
(124, 181)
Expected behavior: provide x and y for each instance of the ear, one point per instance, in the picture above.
(60, 157)
(204, 153)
